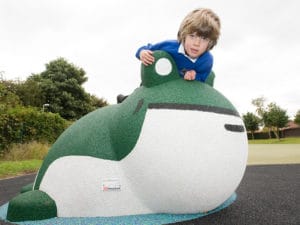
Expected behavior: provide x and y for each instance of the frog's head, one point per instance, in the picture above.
(163, 90)
(161, 84)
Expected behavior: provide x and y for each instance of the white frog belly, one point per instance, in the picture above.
(183, 162)
(186, 161)
(85, 186)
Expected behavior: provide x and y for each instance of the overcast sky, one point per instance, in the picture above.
(257, 54)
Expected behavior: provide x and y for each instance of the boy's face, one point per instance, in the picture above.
(195, 45)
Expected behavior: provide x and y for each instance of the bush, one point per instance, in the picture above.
(25, 124)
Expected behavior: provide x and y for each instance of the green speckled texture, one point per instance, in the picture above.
(22, 207)
(112, 132)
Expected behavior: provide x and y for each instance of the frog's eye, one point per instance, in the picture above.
(161, 71)
(163, 67)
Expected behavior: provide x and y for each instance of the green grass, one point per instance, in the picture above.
(14, 168)
(295, 140)
(23, 159)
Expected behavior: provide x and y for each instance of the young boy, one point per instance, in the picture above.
(198, 33)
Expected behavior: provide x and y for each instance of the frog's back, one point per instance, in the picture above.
(82, 138)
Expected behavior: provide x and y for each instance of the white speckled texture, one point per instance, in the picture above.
(190, 166)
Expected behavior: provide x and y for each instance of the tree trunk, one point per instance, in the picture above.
(276, 133)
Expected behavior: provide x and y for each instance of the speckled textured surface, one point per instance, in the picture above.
(150, 219)
(45, 207)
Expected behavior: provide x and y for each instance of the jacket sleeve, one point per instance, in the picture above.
(204, 67)
(145, 47)
(152, 47)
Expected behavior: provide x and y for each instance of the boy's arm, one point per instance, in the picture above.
(146, 47)
(144, 53)
(146, 57)
(158, 46)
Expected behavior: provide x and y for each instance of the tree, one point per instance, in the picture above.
(30, 93)
(61, 87)
(251, 122)
(275, 117)
(97, 102)
(260, 105)
(297, 118)
(8, 99)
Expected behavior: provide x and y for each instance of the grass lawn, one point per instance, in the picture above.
(263, 154)
(14, 168)
(294, 140)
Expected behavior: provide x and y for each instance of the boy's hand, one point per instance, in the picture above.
(146, 57)
(190, 75)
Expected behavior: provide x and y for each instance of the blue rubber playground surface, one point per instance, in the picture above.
(267, 195)
(147, 219)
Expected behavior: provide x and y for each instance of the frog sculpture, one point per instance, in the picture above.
(172, 146)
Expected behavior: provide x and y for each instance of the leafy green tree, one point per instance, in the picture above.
(251, 122)
(61, 89)
(8, 99)
(30, 93)
(275, 117)
(97, 102)
(297, 118)
(22, 124)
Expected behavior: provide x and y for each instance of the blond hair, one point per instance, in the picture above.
(203, 22)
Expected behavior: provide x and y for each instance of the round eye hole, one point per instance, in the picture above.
(163, 67)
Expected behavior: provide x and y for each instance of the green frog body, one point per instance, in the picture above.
(172, 146)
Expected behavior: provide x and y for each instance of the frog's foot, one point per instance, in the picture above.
(31, 205)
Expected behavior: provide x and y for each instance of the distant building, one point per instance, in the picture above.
(291, 130)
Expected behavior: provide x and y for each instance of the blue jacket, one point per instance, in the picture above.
(202, 65)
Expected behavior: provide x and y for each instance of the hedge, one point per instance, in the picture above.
(24, 124)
